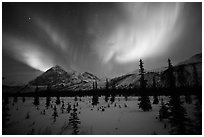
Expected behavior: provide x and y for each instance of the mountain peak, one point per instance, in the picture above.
(57, 67)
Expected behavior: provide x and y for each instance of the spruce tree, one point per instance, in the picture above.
(178, 117)
(170, 75)
(163, 112)
(145, 103)
(95, 100)
(141, 73)
(36, 101)
(156, 100)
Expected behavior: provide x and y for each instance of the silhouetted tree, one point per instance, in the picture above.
(145, 103)
(163, 112)
(95, 100)
(141, 73)
(170, 75)
(177, 118)
(156, 100)
(36, 89)
(36, 101)
(75, 98)
(23, 99)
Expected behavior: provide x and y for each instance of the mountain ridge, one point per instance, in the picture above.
(58, 79)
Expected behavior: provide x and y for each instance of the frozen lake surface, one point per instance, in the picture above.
(85, 115)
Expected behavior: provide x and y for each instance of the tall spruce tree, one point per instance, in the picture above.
(145, 103)
(141, 73)
(170, 75)
(178, 117)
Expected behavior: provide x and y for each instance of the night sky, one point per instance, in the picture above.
(106, 39)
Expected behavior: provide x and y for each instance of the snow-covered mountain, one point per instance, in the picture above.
(57, 77)
(186, 68)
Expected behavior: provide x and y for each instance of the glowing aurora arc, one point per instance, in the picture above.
(147, 32)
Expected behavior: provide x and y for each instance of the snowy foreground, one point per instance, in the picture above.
(121, 116)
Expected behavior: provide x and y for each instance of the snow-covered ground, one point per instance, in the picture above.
(123, 116)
